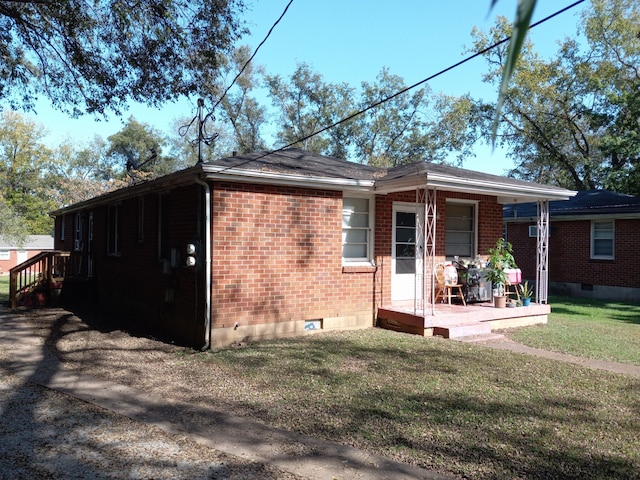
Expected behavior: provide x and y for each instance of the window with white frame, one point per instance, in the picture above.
(5, 255)
(356, 229)
(460, 226)
(602, 239)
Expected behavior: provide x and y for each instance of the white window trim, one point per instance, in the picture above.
(476, 214)
(593, 256)
(371, 240)
(116, 233)
(5, 254)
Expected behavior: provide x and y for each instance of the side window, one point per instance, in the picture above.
(356, 229)
(78, 232)
(113, 230)
(602, 240)
(163, 228)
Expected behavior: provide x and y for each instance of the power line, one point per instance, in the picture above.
(182, 131)
(252, 56)
(406, 89)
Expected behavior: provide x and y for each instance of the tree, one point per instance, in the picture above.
(573, 120)
(243, 112)
(300, 102)
(92, 56)
(139, 147)
(25, 172)
(82, 172)
(394, 132)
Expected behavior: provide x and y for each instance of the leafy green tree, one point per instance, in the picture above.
(245, 114)
(394, 132)
(183, 145)
(92, 56)
(299, 102)
(139, 147)
(80, 172)
(572, 120)
(13, 228)
(25, 172)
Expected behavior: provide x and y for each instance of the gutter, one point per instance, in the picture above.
(207, 263)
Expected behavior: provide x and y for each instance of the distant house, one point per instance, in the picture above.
(12, 254)
(273, 244)
(594, 244)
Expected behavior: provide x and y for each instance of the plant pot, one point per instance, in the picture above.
(526, 302)
(500, 301)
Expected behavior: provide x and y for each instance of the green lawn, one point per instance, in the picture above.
(597, 329)
(4, 288)
(453, 407)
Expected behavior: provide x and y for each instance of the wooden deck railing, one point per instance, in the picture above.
(43, 269)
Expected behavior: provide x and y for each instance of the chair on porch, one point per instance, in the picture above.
(447, 287)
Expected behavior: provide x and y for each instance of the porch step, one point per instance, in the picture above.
(463, 330)
(485, 337)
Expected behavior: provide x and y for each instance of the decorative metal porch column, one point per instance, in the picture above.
(429, 259)
(542, 259)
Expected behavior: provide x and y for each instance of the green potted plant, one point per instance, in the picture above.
(500, 257)
(526, 292)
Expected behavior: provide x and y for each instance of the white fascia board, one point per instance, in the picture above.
(573, 218)
(506, 193)
(273, 178)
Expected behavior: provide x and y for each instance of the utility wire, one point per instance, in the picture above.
(252, 56)
(183, 130)
(405, 90)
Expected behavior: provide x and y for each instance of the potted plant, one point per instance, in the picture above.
(526, 293)
(499, 258)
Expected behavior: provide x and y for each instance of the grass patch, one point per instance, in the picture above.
(4, 288)
(598, 329)
(454, 407)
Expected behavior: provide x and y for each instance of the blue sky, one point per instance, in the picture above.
(351, 41)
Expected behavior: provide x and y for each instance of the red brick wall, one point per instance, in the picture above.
(6, 265)
(143, 291)
(569, 253)
(489, 230)
(277, 256)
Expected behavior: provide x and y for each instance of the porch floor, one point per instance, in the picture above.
(454, 321)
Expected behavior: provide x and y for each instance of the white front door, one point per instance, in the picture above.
(406, 257)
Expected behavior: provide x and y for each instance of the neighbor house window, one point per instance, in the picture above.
(113, 230)
(460, 226)
(356, 229)
(602, 238)
(5, 254)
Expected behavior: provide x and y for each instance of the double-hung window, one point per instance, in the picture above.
(356, 229)
(602, 240)
(460, 228)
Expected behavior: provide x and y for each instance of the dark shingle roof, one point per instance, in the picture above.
(294, 161)
(586, 202)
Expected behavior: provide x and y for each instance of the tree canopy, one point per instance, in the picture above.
(91, 56)
(572, 120)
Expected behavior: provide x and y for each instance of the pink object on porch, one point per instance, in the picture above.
(514, 275)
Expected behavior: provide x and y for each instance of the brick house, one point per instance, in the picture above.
(12, 254)
(593, 244)
(273, 244)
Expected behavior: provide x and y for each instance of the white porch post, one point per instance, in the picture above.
(542, 259)
(419, 294)
(430, 248)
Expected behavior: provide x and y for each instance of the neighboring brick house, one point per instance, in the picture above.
(274, 244)
(12, 254)
(594, 244)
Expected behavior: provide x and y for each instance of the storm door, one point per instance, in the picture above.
(406, 257)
